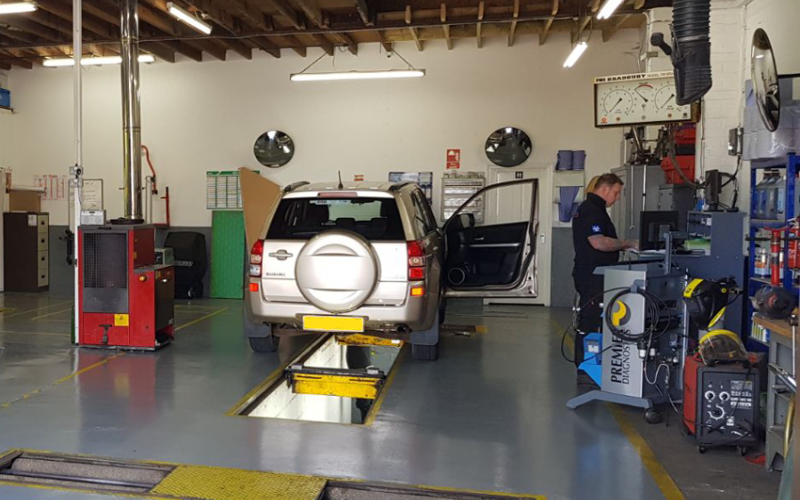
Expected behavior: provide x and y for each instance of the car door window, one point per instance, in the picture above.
(495, 250)
(422, 217)
(425, 211)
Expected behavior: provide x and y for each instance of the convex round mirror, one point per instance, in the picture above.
(765, 80)
(508, 147)
(274, 149)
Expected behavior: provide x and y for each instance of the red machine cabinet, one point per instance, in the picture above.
(126, 301)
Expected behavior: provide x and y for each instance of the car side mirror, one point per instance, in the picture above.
(467, 220)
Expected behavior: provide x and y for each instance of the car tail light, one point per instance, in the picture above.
(416, 266)
(256, 256)
(253, 287)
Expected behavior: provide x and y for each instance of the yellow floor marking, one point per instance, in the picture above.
(376, 406)
(248, 398)
(60, 381)
(198, 320)
(64, 334)
(216, 483)
(661, 477)
(50, 314)
(37, 309)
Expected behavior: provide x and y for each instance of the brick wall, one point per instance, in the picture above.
(722, 107)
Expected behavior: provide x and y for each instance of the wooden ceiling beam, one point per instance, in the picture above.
(479, 26)
(613, 25)
(51, 21)
(312, 12)
(184, 49)
(17, 35)
(267, 46)
(413, 31)
(364, 12)
(206, 45)
(248, 14)
(239, 47)
(513, 27)
(4, 65)
(27, 25)
(445, 27)
(210, 9)
(639, 4)
(64, 12)
(107, 15)
(549, 23)
(323, 43)
(161, 51)
(584, 21)
(287, 11)
(345, 40)
(16, 57)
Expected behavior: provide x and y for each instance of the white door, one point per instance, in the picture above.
(509, 207)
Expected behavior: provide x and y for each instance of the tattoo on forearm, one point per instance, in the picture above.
(606, 244)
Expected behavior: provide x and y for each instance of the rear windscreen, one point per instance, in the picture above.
(302, 218)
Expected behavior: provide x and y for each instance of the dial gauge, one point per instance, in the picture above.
(638, 99)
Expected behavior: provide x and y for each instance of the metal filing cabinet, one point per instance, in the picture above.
(639, 193)
(27, 251)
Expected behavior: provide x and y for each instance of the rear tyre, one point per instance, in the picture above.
(425, 352)
(442, 310)
(264, 344)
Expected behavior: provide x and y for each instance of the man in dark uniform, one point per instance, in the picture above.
(596, 244)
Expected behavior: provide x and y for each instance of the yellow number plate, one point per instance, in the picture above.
(333, 324)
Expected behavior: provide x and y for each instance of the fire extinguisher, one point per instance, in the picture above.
(792, 234)
(775, 250)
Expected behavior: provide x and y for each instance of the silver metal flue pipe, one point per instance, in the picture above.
(131, 117)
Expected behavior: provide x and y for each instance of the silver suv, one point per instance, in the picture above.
(370, 258)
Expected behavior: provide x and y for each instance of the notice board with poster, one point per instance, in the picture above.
(423, 179)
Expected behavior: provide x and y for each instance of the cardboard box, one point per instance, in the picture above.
(24, 201)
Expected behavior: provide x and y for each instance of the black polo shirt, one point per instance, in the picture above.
(592, 219)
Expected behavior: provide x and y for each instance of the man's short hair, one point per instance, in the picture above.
(608, 180)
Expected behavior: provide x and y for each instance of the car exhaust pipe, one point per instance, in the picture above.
(690, 50)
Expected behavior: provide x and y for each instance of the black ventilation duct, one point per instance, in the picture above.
(691, 50)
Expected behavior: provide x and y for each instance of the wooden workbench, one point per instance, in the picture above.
(780, 353)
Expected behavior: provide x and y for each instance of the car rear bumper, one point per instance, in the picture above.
(414, 313)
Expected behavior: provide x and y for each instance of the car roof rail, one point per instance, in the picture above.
(291, 187)
(400, 185)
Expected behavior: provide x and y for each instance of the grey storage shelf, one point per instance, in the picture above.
(457, 188)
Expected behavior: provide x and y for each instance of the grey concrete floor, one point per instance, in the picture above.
(489, 415)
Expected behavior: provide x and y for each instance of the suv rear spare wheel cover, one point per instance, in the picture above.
(337, 271)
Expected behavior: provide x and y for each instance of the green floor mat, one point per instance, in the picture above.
(227, 254)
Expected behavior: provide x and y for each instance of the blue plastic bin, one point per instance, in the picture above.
(5, 98)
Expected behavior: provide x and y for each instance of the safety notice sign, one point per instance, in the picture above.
(453, 159)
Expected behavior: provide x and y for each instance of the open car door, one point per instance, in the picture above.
(492, 252)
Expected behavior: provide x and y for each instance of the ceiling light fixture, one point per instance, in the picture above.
(576, 53)
(17, 7)
(608, 8)
(357, 75)
(188, 18)
(93, 61)
(410, 72)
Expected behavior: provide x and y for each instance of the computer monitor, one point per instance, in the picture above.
(653, 225)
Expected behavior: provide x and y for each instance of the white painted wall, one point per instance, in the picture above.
(198, 117)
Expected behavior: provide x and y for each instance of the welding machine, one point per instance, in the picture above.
(721, 404)
(126, 300)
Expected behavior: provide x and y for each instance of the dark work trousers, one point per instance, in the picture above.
(590, 289)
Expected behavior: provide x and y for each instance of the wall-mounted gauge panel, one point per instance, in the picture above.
(642, 98)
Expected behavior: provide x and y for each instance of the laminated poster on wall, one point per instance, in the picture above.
(423, 179)
(55, 186)
(223, 190)
(91, 195)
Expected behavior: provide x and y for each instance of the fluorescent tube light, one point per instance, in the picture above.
(358, 75)
(576, 53)
(188, 18)
(17, 7)
(93, 61)
(608, 8)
